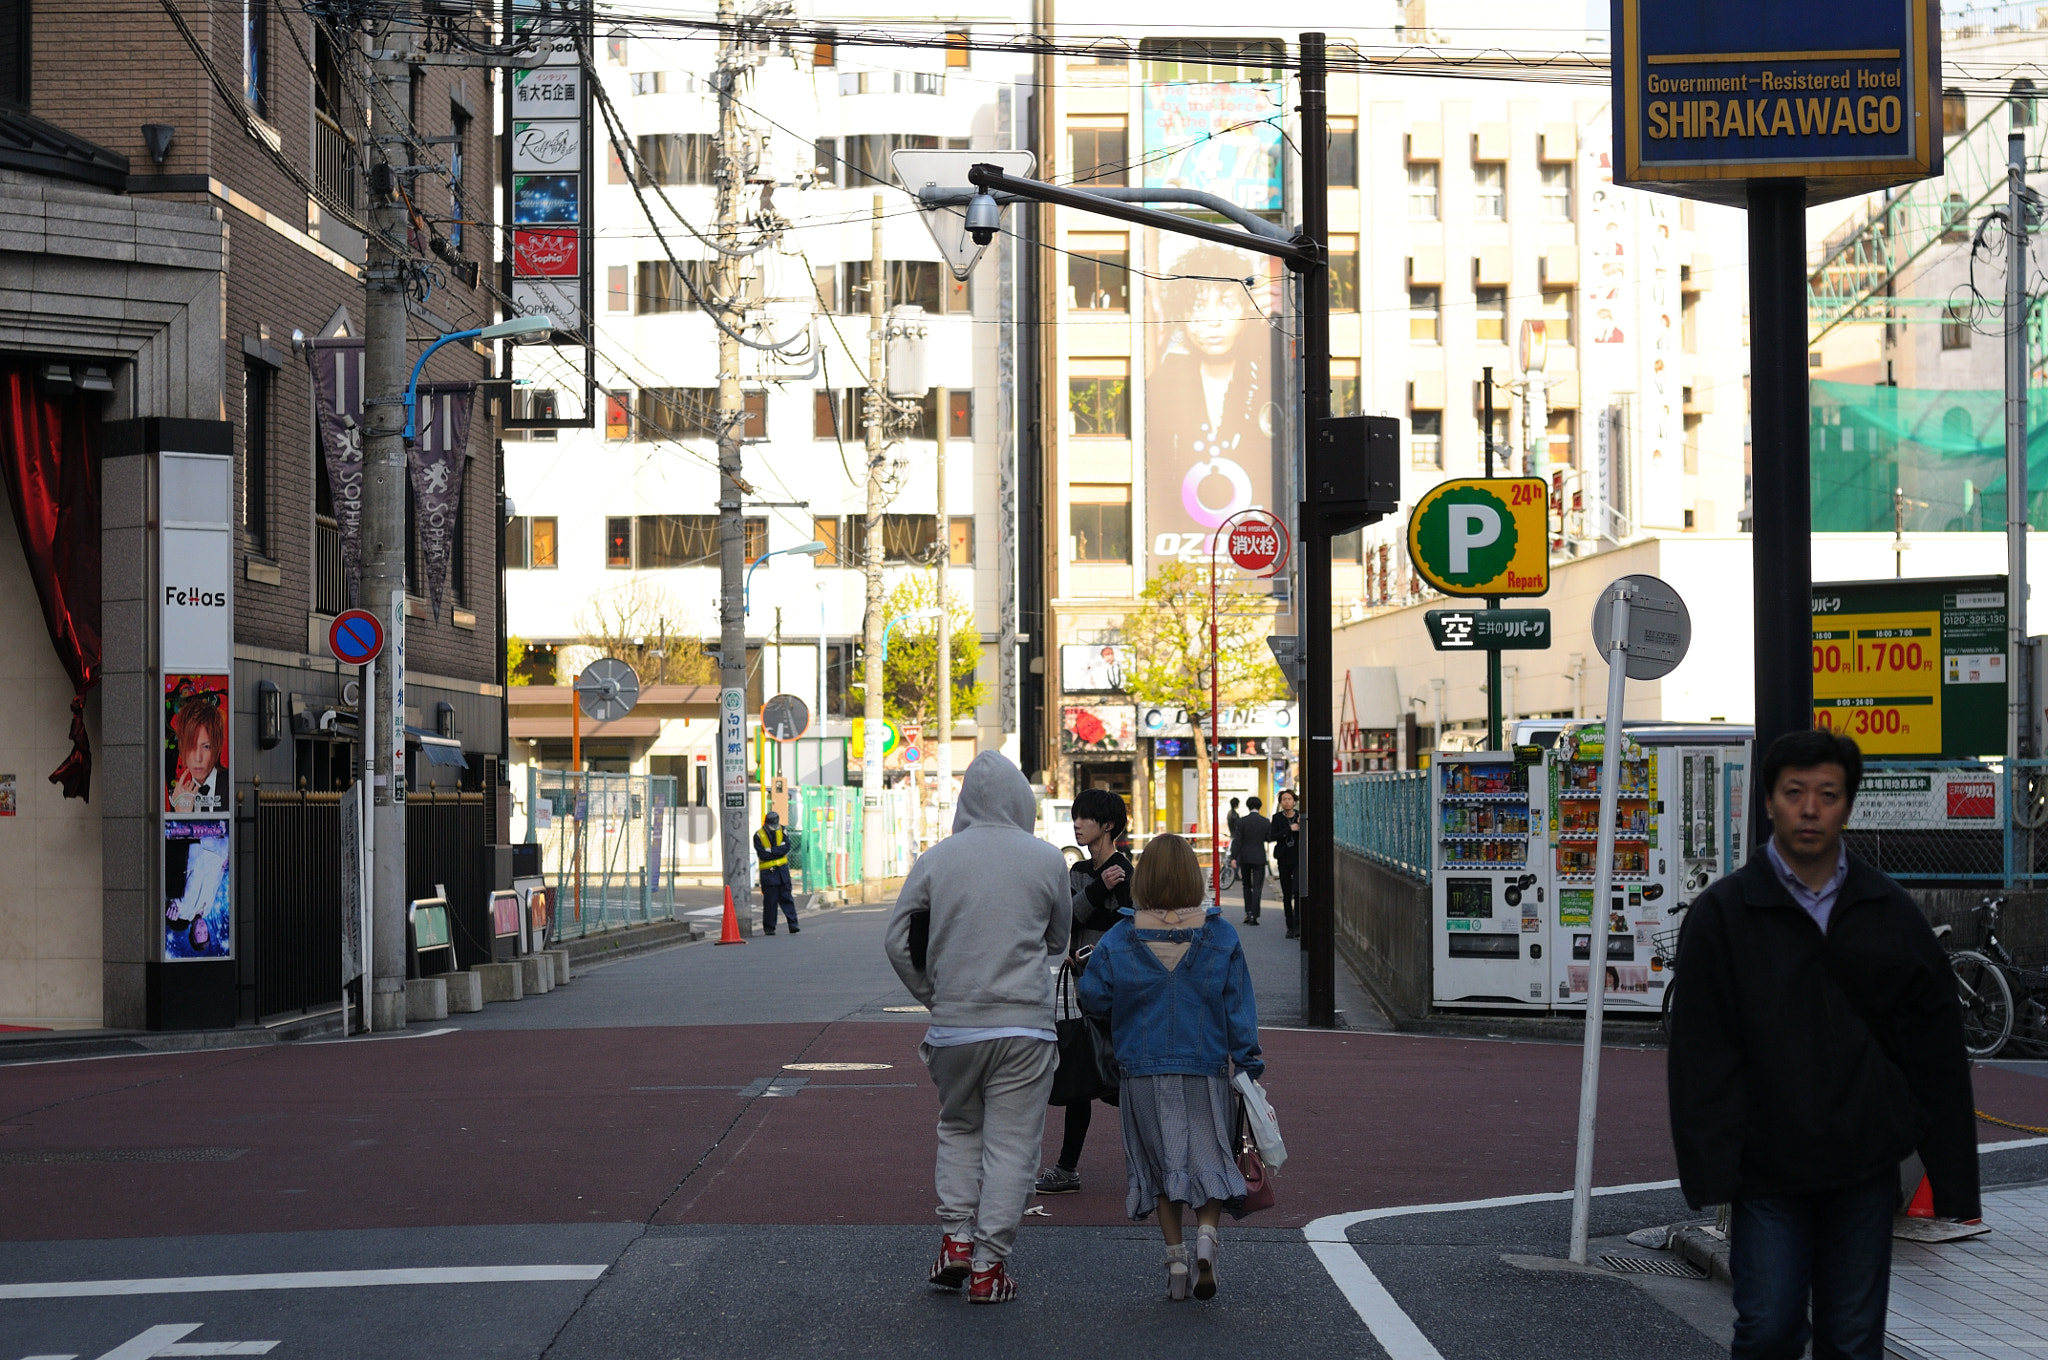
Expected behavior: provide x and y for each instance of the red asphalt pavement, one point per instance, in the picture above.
(546, 1126)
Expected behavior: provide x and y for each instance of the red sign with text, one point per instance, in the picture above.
(1257, 544)
(546, 253)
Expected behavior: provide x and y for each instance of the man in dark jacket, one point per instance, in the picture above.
(1248, 848)
(1817, 1040)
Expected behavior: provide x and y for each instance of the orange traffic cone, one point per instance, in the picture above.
(1923, 1201)
(732, 922)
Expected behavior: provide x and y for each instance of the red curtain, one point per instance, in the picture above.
(49, 454)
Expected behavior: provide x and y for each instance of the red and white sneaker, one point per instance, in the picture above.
(955, 1263)
(991, 1284)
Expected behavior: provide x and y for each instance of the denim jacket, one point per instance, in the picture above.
(1197, 1019)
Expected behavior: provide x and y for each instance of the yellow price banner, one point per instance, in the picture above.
(1877, 678)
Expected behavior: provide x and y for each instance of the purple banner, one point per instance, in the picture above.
(439, 458)
(338, 393)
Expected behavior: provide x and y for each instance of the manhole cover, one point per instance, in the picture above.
(837, 1067)
(1654, 1265)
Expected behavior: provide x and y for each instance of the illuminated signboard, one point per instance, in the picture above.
(1912, 667)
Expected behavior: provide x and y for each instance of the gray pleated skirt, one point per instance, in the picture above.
(1177, 1142)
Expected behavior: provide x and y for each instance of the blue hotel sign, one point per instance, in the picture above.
(1708, 94)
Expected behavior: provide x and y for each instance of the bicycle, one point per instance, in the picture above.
(1664, 953)
(2002, 994)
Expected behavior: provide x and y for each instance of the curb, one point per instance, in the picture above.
(1614, 1033)
(60, 1044)
(1695, 1243)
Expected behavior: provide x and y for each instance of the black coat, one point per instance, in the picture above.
(1286, 838)
(1248, 839)
(1804, 1062)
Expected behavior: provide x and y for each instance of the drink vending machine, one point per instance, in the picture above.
(1489, 881)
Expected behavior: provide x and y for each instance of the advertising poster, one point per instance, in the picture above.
(1214, 393)
(1914, 667)
(196, 776)
(1089, 668)
(196, 897)
(545, 146)
(1929, 800)
(7, 795)
(1222, 138)
(1098, 729)
(1625, 981)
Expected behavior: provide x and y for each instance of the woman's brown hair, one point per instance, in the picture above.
(1168, 876)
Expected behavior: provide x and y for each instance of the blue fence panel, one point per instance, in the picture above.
(1385, 817)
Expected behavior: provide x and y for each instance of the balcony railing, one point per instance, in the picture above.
(330, 583)
(334, 160)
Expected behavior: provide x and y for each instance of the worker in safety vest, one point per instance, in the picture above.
(771, 847)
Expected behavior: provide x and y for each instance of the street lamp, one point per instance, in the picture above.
(929, 612)
(512, 328)
(810, 549)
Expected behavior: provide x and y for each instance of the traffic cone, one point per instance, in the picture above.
(1923, 1201)
(732, 922)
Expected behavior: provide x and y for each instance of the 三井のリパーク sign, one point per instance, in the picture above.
(1912, 667)
(1711, 93)
(1483, 536)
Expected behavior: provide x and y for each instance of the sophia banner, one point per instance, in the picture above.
(438, 458)
(338, 396)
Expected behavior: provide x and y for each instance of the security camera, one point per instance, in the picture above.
(984, 218)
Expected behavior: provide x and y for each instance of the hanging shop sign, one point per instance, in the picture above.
(1912, 667)
(1709, 94)
(1488, 630)
(1483, 536)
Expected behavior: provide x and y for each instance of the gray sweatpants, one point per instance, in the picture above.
(991, 1126)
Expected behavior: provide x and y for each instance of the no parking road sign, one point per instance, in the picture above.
(355, 637)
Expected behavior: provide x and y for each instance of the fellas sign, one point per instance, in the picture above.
(1708, 94)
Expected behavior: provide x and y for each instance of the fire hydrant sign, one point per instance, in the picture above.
(1257, 543)
(1709, 94)
(1483, 536)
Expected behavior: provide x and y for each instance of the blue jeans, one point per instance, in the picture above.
(1835, 1246)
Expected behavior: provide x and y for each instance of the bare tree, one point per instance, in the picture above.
(647, 628)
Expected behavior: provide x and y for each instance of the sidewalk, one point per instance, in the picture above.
(1985, 1298)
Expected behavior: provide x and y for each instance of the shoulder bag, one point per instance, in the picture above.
(1258, 1182)
(1088, 1069)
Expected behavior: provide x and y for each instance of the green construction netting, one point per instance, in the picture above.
(1944, 449)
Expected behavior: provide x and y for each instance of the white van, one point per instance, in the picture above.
(1056, 826)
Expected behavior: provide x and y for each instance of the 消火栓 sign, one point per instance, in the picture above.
(1842, 94)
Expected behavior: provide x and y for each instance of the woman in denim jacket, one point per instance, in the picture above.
(1171, 979)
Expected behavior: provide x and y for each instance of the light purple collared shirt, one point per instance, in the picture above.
(1819, 903)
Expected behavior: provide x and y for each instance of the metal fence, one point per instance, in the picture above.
(827, 821)
(608, 845)
(1385, 817)
(296, 911)
(447, 835)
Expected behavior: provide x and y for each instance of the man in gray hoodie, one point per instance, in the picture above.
(972, 933)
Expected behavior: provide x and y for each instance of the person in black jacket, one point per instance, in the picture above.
(1817, 1040)
(1286, 837)
(1101, 885)
(1248, 848)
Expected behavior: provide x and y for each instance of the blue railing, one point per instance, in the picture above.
(1385, 817)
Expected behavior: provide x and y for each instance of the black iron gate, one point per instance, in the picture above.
(447, 840)
(296, 940)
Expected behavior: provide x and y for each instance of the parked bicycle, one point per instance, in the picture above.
(2003, 995)
(1664, 954)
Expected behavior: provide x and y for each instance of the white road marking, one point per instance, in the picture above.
(163, 1340)
(381, 1038)
(299, 1279)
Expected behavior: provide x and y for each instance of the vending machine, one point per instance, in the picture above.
(1489, 883)
(1677, 829)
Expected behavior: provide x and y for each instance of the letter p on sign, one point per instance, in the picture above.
(1472, 526)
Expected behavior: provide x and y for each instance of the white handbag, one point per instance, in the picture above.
(1265, 1124)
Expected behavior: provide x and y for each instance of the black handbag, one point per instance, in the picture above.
(1088, 1069)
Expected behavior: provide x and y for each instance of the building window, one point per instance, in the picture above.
(1099, 397)
(1955, 326)
(1425, 315)
(530, 542)
(754, 415)
(1557, 315)
(650, 82)
(15, 53)
(1955, 113)
(825, 530)
(824, 52)
(1564, 444)
(1099, 523)
(618, 293)
(922, 283)
(256, 393)
(618, 542)
(1343, 153)
(1098, 151)
(1490, 312)
(1422, 191)
(615, 48)
(1345, 393)
(907, 540)
(825, 414)
(663, 541)
(1489, 191)
(960, 413)
(1689, 324)
(618, 415)
(1557, 191)
(1343, 273)
(957, 51)
(960, 531)
(664, 288)
(458, 128)
(678, 413)
(1348, 547)
(1099, 272)
(255, 54)
(678, 158)
(1426, 438)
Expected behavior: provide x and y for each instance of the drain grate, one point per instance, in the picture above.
(46, 1156)
(1654, 1265)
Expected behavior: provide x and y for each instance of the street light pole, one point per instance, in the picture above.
(945, 752)
(875, 637)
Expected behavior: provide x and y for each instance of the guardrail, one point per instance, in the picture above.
(1384, 816)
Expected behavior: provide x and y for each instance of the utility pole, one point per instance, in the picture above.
(732, 528)
(1318, 747)
(945, 796)
(1493, 705)
(384, 545)
(2018, 673)
(877, 407)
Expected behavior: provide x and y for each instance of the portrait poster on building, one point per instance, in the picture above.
(1214, 393)
(1221, 137)
(196, 897)
(196, 777)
